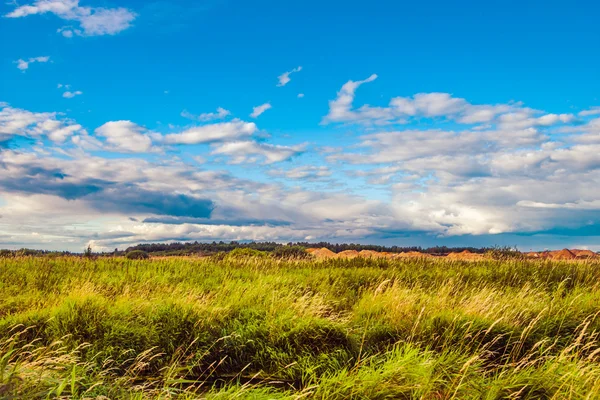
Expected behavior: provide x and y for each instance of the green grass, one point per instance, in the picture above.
(252, 327)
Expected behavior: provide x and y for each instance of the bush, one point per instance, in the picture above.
(246, 253)
(219, 256)
(291, 253)
(505, 253)
(6, 253)
(137, 255)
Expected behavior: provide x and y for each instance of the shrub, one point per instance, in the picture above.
(218, 256)
(137, 255)
(245, 253)
(6, 253)
(88, 253)
(505, 253)
(291, 253)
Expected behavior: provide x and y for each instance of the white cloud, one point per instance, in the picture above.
(400, 146)
(284, 78)
(258, 110)
(307, 172)
(251, 152)
(125, 136)
(212, 133)
(579, 205)
(23, 65)
(70, 95)
(14, 121)
(428, 104)
(93, 21)
(402, 110)
(501, 171)
(591, 111)
(53, 208)
(340, 108)
(482, 182)
(86, 142)
(588, 133)
(300, 95)
(458, 169)
(205, 117)
(526, 118)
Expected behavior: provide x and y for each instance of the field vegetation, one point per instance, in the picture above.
(255, 325)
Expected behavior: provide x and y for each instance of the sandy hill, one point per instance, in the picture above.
(371, 253)
(348, 254)
(466, 255)
(413, 254)
(564, 254)
(584, 253)
(322, 253)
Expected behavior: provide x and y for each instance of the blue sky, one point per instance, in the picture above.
(469, 123)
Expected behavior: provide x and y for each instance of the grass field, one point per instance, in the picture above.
(251, 327)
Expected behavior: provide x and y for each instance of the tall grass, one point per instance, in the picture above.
(254, 327)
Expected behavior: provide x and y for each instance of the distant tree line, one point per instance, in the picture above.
(33, 252)
(197, 248)
(188, 248)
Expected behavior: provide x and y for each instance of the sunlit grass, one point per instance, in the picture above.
(252, 327)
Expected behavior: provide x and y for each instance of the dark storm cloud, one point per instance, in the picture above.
(38, 180)
(104, 195)
(132, 199)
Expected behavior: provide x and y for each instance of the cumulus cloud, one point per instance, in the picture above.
(23, 65)
(258, 110)
(588, 132)
(431, 163)
(212, 133)
(205, 117)
(248, 151)
(527, 118)
(501, 169)
(402, 110)
(340, 108)
(18, 122)
(104, 196)
(476, 183)
(125, 136)
(591, 111)
(69, 95)
(579, 205)
(92, 21)
(284, 78)
(306, 172)
(173, 201)
(67, 92)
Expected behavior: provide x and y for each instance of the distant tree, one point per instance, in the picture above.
(504, 253)
(88, 253)
(245, 253)
(6, 253)
(137, 255)
(290, 252)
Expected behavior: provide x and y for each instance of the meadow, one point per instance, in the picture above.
(249, 326)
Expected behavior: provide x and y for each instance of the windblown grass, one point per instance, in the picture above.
(251, 327)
